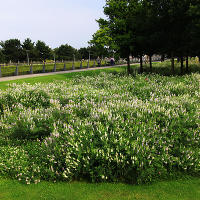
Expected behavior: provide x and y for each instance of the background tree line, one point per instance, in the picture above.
(13, 50)
(147, 27)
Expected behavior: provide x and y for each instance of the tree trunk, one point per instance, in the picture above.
(128, 65)
(150, 63)
(172, 63)
(187, 67)
(141, 64)
(162, 58)
(181, 64)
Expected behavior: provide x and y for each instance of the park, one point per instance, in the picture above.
(129, 131)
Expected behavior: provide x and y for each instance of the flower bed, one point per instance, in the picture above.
(103, 128)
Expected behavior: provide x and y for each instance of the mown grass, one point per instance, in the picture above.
(188, 189)
(61, 77)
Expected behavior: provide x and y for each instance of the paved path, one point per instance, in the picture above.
(9, 78)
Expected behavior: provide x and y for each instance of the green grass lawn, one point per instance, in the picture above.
(61, 77)
(168, 190)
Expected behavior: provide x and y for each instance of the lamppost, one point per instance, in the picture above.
(54, 57)
(74, 57)
(89, 55)
(27, 56)
(73, 65)
(54, 54)
(89, 60)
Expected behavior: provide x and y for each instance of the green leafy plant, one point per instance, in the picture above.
(111, 128)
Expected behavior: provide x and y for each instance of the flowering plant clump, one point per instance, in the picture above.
(102, 128)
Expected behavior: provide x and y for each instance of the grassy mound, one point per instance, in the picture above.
(108, 127)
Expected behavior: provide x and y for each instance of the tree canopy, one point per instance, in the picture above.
(65, 52)
(139, 27)
(14, 50)
(43, 50)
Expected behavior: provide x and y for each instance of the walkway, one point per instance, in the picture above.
(9, 78)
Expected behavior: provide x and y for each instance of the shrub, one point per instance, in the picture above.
(34, 99)
(111, 128)
(7, 102)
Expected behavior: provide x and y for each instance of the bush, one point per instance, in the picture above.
(111, 128)
(7, 102)
(34, 99)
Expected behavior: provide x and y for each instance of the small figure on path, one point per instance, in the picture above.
(98, 61)
(112, 61)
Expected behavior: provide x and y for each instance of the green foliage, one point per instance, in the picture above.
(43, 50)
(34, 99)
(103, 42)
(94, 50)
(164, 27)
(12, 50)
(29, 49)
(2, 57)
(65, 52)
(6, 102)
(108, 127)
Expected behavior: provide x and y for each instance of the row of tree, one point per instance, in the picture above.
(147, 27)
(13, 50)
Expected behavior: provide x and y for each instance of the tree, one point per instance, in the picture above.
(175, 27)
(102, 42)
(117, 23)
(2, 57)
(139, 27)
(65, 52)
(194, 12)
(29, 49)
(12, 50)
(28, 44)
(43, 51)
(83, 53)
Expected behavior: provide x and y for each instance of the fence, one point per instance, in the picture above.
(16, 69)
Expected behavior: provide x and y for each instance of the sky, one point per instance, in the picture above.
(55, 22)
